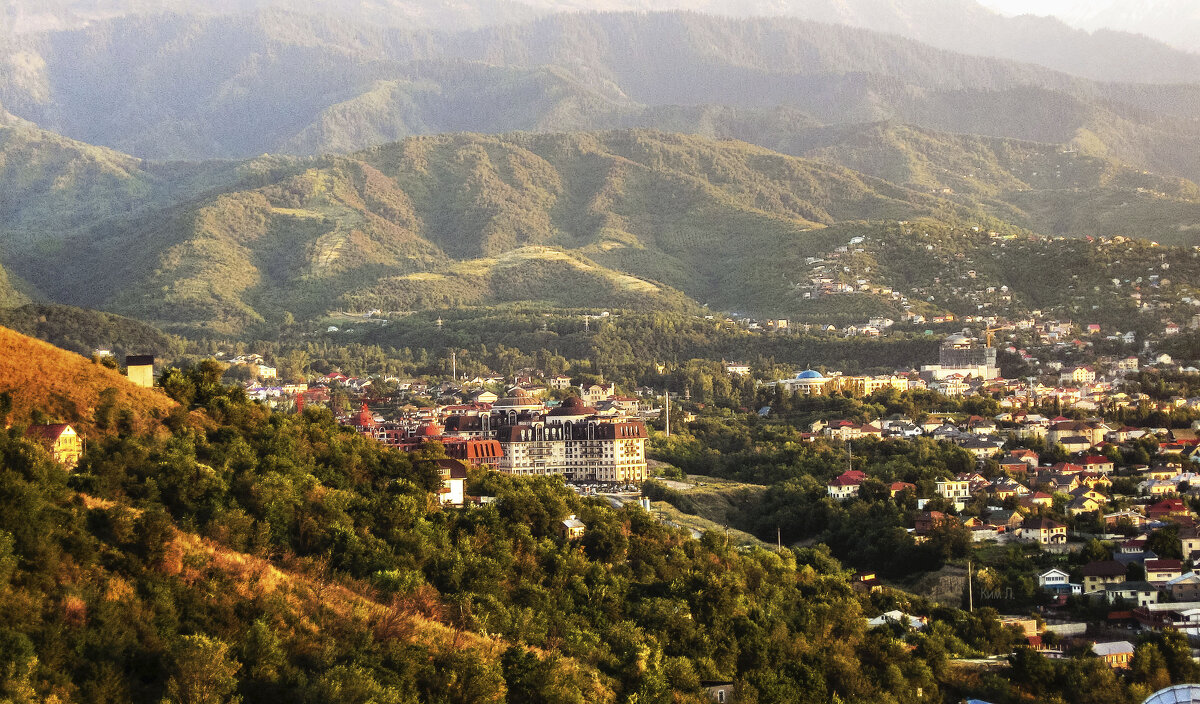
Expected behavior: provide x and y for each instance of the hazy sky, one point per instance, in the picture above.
(1045, 7)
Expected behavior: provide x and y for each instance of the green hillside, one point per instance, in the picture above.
(208, 549)
(54, 186)
(453, 220)
(1042, 187)
(9, 293)
(632, 219)
(84, 331)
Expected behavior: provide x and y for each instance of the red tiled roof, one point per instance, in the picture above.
(46, 432)
(852, 477)
(1163, 565)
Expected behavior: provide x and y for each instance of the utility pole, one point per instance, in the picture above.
(970, 592)
(454, 366)
(778, 538)
(667, 395)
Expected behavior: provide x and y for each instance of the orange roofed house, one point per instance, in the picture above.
(60, 440)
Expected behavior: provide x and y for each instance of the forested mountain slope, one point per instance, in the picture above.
(629, 219)
(54, 186)
(84, 331)
(622, 219)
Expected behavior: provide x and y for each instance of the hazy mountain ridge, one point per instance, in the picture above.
(1175, 22)
(964, 26)
(281, 82)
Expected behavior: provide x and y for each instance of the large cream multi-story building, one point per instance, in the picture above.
(573, 442)
(867, 385)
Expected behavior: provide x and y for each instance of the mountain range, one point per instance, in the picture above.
(1175, 22)
(286, 166)
(186, 87)
(629, 219)
(1094, 40)
(625, 218)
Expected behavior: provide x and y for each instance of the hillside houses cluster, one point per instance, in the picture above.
(856, 269)
(1024, 499)
(1141, 587)
(968, 366)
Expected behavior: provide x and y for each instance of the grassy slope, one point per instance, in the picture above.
(65, 385)
(711, 503)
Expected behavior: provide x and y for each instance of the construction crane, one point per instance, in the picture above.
(990, 333)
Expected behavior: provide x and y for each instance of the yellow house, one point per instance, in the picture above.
(1044, 531)
(1082, 505)
(60, 440)
(572, 528)
(1116, 655)
(1098, 574)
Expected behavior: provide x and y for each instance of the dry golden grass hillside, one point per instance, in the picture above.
(66, 386)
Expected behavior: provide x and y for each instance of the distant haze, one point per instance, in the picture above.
(1176, 22)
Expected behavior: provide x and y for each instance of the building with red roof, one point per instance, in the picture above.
(60, 440)
(1098, 463)
(846, 484)
(1168, 509)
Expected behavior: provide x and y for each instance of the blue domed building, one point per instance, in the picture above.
(808, 383)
